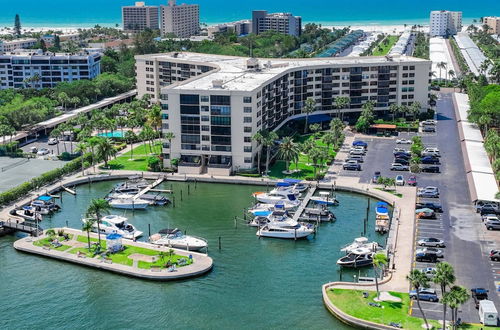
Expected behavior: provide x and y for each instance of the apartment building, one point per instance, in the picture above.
(10, 46)
(239, 28)
(181, 20)
(139, 17)
(493, 23)
(445, 23)
(16, 68)
(214, 104)
(281, 22)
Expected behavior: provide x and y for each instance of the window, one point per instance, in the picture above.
(247, 139)
(247, 110)
(220, 120)
(220, 110)
(247, 119)
(205, 128)
(247, 149)
(248, 160)
(220, 100)
(204, 98)
(247, 129)
(190, 109)
(205, 137)
(189, 99)
(205, 118)
(247, 99)
(204, 108)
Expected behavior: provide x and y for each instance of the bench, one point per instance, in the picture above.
(155, 268)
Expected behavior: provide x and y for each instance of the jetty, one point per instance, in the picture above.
(148, 188)
(303, 204)
(21, 226)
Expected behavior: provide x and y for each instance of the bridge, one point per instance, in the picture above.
(22, 227)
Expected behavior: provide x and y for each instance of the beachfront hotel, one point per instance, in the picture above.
(182, 20)
(493, 23)
(445, 23)
(214, 104)
(50, 68)
(284, 23)
(139, 17)
(12, 45)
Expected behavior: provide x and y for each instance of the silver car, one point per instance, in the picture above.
(492, 224)
(431, 242)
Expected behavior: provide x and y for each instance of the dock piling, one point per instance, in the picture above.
(149, 232)
(220, 246)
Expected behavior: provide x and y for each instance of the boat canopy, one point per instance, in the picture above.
(114, 236)
(292, 181)
(44, 198)
(382, 204)
(291, 197)
(283, 184)
(259, 214)
(168, 231)
(280, 206)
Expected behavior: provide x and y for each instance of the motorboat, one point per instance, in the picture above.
(382, 208)
(298, 185)
(280, 225)
(324, 198)
(133, 185)
(176, 239)
(259, 207)
(359, 257)
(322, 214)
(285, 189)
(129, 203)
(270, 198)
(28, 213)
(38, 209)
(45, 204)
(151, 198)
(116, 224)
(361, 242)
(382, 219)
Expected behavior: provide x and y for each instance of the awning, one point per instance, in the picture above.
(383, 126)
(44, 198)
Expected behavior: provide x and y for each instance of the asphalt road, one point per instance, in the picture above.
(42, 143)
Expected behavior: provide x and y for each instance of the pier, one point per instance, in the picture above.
(21, 226)
(148, 188)
(303, 204)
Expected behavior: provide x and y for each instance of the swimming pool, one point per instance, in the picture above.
(114, 134)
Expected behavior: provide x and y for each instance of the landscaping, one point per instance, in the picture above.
(138, 160)
(385, 46)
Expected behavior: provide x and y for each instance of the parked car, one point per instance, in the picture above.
(495, 255)
(431, 154)
(400, 150)
(437, 252)
(351, 166)
(375, 177)
(426, 257)
(492, 224)
(431, 242)
(429, 192)
(425, 294)
(399, 167)
(405, 155)
(489, 209)
(429, 122)
(479, 294)
(403, 141)
(52, 141)
(412, 180)
(43, 151)
(428, 129)
(487, 217)
(436, 207)
(429, 160)
(360, 143)
(400, 180)
(432, 149)
(435, 88)
(402, 161)
(33, 150)
(359, 152)
(429, 272)
(358, 158)
(431, 169)
(479, 205)
(425, 213)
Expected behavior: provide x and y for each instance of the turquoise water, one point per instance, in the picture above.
(114, 134)
(255, 284)
(85, 13)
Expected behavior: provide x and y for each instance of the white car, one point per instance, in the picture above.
(430, 154)
(400, 180)
(490, 217)
(357, 152)
(430, 272)
(52, 141)
(437, 252)
(403, 141)
(399, 167)
(43, 151)
(429, 122)
(431, 241)
(351, 161)
(399, 150)
(429, 149)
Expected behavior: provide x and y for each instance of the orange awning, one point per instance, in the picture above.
(383, 126)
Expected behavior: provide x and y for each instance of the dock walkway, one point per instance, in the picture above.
(304, 203)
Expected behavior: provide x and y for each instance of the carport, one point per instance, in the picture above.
(383, 129)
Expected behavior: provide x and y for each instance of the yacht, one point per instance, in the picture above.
(176, 239)
(382, 219)
(322, 214)
(45, 204)
(259, 207)
(285, 189)
(359, 257)
(151, 198)
(129, 203)
(361, 242)
(116, 224)
(298, 185)
(325, 199)
(272, 198)
(280, 225)
(28, 213)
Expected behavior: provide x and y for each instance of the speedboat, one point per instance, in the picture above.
(280, 225)
(270, 198)
(361, 242)
(28, 213)
(382, 219)
(382, 208)
(359, 257)
(318, 214)
(259, 207)
(285, 189)
(298, 185)
(116, 224)
(45, 204)
(176, 239)
(151, 198)
(325, 199)
(129, 203)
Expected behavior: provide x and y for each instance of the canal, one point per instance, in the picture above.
(255, 283)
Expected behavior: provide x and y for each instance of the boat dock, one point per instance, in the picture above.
(21, 226)
(148, 188)
(303, 204)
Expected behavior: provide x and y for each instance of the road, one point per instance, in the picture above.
(42, 143)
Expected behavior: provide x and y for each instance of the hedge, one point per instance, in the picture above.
(46, 178)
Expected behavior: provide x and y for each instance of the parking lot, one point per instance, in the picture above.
(53, 149)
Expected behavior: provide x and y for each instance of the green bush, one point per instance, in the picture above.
(154, 164)
(249, 175)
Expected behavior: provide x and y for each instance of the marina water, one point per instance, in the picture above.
(255, 283)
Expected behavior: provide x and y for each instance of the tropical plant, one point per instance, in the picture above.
(88, 224)
(419, 280)
(259, 139)
(341, 102)
(315, 129)
(105, 150)
(393, 109)
(415, 109)
(329, 139)
(309, 107)
(379, 261)
(315, 155)
(56, 134)
(456, 297)
(441, 65)
(130, 138)
(82, 147)
(288, 151)
(169, 136)
(96, 209)
(93, 142)
(269, 140)
(444, 277)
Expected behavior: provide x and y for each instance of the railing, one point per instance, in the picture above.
(219, 165)
(188, 164)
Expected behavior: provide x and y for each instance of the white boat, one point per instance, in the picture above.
(382, 219)
(298, 185)
(45, 204)
(129, 203)
(382, 208)
(262, 207)
(29, 213)
(116, 224)
(38, 209)
(151, 198)
(325, 199)
(176, 239)
(270, 198)
(359, 257)
(361, 242)
(280, 225)
(285, 189)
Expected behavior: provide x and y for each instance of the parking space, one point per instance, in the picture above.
(53, 150)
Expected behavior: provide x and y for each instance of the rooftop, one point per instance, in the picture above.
(232, 72)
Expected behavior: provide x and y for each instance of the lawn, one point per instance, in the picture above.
(47, 242)
(385, 47)
(139, 162)
(352, 302)
(390, 191)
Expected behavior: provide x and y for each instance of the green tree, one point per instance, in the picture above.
(341, 102)
(93, 142)
(309, 106)
(315, 129)
(96, 209)
(17, 26)
(393, 109)
(288, 151)
(169, 136)
(105, 150)
(379, 262)
(131, 137)
(82, 148)
(259, 139)
(154, 117)
(269, 139)
(419, 280)
(329, 139)
(315, 155)
(88, 225)
(415, 109)
(56, 134)
(444, 277)
(456, 297)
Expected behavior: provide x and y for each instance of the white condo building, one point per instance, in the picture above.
(17, 67)
(493, 23)
(284, 23)
(181, 20)
(214, 104)
(140, 17)
(10, 46)
(445, 23)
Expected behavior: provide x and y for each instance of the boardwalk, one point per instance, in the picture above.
(304, 203)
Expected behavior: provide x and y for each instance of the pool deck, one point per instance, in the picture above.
(201, 262)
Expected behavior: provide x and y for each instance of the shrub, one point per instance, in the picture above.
(249, 175)
(154, 164)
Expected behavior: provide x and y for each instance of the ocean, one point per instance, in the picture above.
(70, 13)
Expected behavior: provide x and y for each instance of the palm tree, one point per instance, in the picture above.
(314, 154)
(269, 139)
(105, 150)
(418, 280)
(92, 143)
(154, 116)
(483, 68)
(309, 107)
(88, 224)
(56, 133)
(451, 73)
(82, 148)
(329, 138)
(444, 277)
(315, 128)
(259, 138)
(131, 137)
(379, 261)
(341, 102)
(456, 297)
(169, 136)
(288, 151)
(63, 99)
(441, 65)
(393, 109)
(96, 209)
(74, 100)
(415, 109)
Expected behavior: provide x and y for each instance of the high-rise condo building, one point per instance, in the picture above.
(12, 45)
(445, 23)
(280, 22)
(139, 17)
(47, 69)
(182, 20)
(493, 24)
(214, 104)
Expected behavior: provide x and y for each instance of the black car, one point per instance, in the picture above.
(402, 161)
(479, 294)
(429, 160)
(405, 155)
(436, 207)
(431, 169)
(352, 167)
(426, 257)
(487, 209)
(428, 129)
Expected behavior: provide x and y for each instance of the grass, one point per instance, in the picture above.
(143, 150)
(140, 160)
(352, 302)
(383, 48)
(47, 241)
(394, 192)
